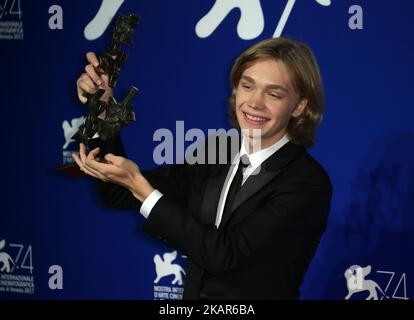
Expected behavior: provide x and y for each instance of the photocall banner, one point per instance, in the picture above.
(58, 241)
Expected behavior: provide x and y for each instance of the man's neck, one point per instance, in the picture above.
(253, 145)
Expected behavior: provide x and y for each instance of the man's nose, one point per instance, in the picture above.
(256, 100)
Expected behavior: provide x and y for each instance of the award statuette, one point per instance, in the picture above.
(105, 118)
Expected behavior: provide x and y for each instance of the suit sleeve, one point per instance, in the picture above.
(170, 179)
(290, 222)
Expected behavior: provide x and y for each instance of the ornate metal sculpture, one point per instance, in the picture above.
(115, 114)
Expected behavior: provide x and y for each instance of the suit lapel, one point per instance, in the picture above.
(269, 169)
(215, 182)
(212, 194)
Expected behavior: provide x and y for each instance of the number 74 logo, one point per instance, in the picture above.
(21, 260)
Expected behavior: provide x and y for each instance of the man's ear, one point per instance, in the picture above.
(299, 108)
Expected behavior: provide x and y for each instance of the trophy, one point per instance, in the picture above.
(105, 118)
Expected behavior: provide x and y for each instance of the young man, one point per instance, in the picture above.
(249, 229)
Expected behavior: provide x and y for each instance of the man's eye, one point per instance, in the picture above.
(275, 96)
(246, 86)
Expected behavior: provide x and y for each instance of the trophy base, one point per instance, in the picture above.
(71, 170)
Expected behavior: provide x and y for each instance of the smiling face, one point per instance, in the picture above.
(266, 100)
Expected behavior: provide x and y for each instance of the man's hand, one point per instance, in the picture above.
(118, 170)
(91, 81)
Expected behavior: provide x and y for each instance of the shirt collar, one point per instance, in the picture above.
(257, 158)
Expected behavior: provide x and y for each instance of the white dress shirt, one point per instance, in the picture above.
(255, 159)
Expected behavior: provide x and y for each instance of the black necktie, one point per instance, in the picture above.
(235, 185)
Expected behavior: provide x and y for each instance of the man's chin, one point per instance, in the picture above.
(252, 133)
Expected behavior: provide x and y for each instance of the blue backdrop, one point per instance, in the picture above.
(365, 142)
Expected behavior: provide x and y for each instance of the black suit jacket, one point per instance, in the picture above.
(263, 248)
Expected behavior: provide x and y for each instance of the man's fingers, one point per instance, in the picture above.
(87, 79)
(88, 170)
(82, 153)
(82, 167)
(90, 70)
(77, 160)
(87, 157)
(85, 87)
(91, 161)
(92, 59)
(111, 158)
(92, 154)
(105, 169)
(105, 81)
(89, 164)
(81, 96)
(96, 173)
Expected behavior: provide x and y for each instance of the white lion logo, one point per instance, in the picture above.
(5, 259)
(251, 22)
(70, 129)
(356, 282)
(165, 268)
